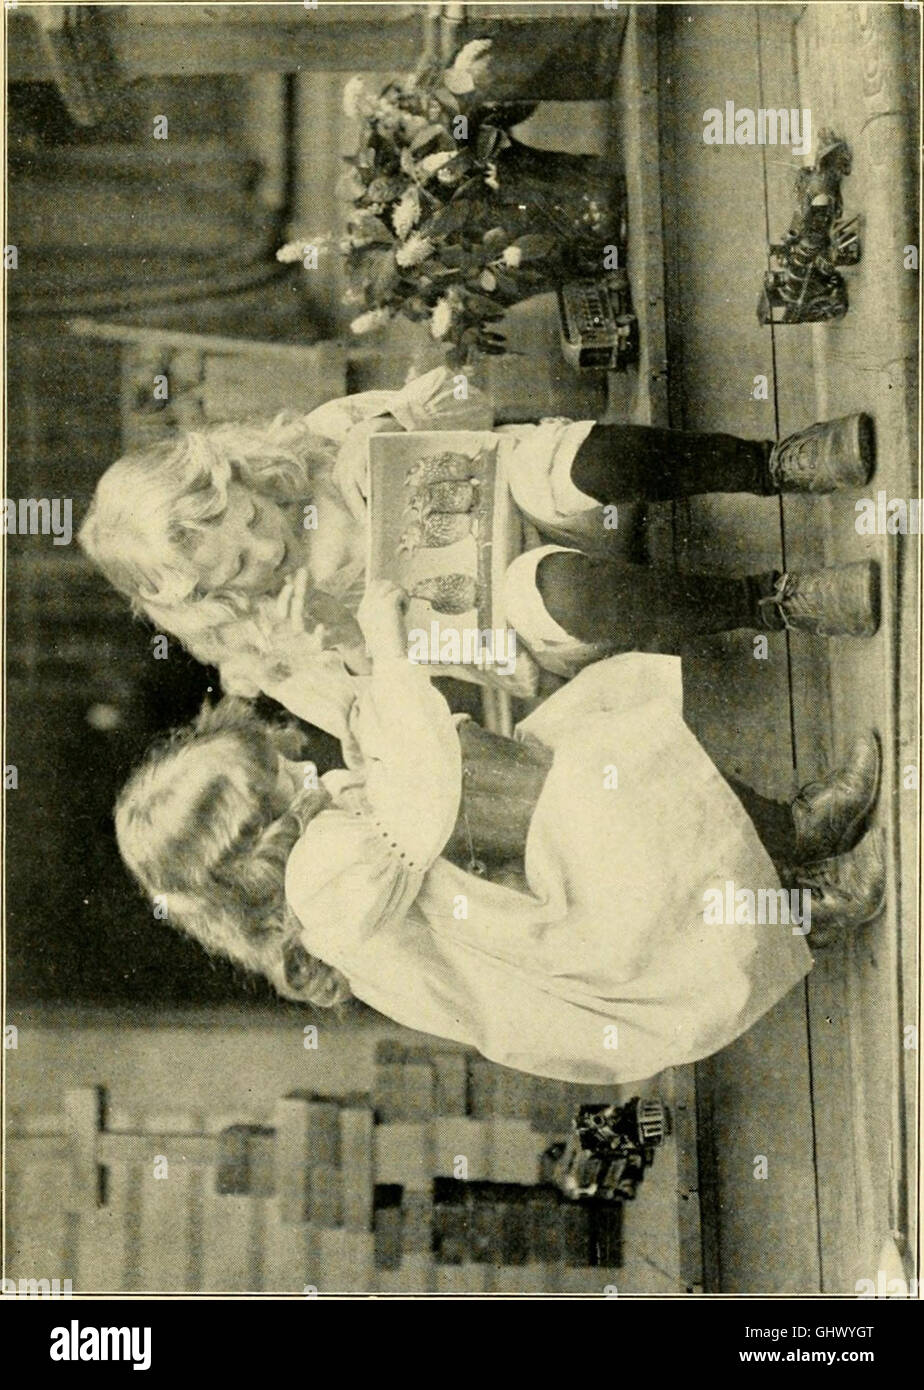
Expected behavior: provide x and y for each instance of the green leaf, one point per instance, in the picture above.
(487, 141)
(466, 189)
(371, 229)
(446, 98)
(451, 218)
(382, 273)
(460, 162)
(385, 190)
(426, 137)
(437, 270)
(496, 238)
(535, 246)
(484, 307)
(506, 283)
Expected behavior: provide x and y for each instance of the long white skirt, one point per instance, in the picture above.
(613, 965)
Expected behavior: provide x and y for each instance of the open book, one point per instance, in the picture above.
(444, 526)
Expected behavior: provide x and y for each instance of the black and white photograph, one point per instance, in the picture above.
(462, 614)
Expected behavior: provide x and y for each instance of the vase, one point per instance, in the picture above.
(576, 199)
(535, 56)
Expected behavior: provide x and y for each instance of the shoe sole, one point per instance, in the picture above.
(852, 837)
(828, 926)
(871, 600)
(868, 602)
(865, 431)
(856, 462)
(868, 597)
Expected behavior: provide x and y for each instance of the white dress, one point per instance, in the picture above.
(604, 971)
(320, 687)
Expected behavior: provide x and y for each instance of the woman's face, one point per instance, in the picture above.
(250, 549)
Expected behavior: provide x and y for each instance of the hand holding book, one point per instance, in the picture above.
(381, 617)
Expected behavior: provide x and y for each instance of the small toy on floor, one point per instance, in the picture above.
(608, 1150)
(804, 285)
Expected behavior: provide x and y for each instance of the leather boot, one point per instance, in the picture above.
(830, 455)
(848, 891)
(838, 601)
(829, 815)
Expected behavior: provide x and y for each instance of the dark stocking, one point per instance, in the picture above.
(623, 463)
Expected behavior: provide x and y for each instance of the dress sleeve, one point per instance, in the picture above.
(413, 761)
(354, 871)
(343, 884)
(335, 419)
(429, 402)
(426, 402)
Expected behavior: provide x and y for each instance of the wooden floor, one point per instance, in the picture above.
(814, 1087)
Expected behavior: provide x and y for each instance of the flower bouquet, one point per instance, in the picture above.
(453, 219)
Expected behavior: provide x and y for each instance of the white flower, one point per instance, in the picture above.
(362, 229)
(512, 257)
(412, 124)
(441, 318)
(357, 102)
(416, 249)
(352, 295)
(432, 162)
(460, 78)
(370, 321)
(299, 250)
(406, 212)
(387, 114)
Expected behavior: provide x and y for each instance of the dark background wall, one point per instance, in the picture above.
(84, 693)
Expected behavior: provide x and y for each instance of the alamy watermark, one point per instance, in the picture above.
(472, 646)
(885, 1286)
(36, 1288)
(38, 516)
(747, 907)
(765, 126)
(888, 516)
(77, 1343)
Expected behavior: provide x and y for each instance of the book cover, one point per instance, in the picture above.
(444, 526)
